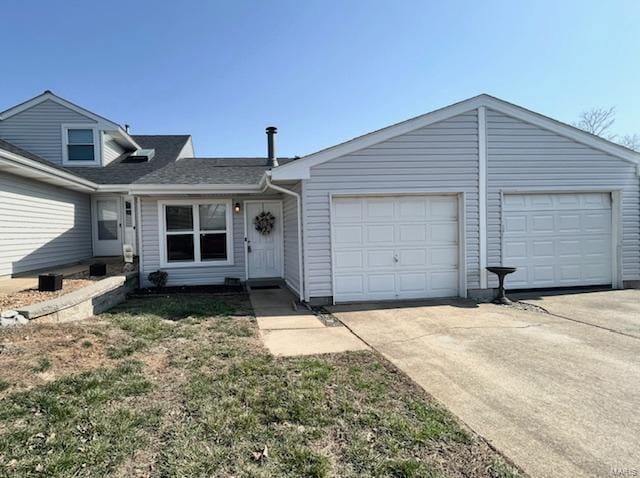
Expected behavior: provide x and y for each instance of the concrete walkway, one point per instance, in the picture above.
(558, 396)
(288, 330)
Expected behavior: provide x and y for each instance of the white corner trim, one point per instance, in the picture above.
(482, 192)
(97, 144)
(164, 264)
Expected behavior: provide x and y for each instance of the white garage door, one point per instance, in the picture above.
(400, 247)
(557, 240)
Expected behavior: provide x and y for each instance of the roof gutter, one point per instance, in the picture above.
(20, 162)
(269, 185)
(159, 189)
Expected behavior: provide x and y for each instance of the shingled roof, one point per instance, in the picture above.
(211, 171)
(167, 149)
(164, 167)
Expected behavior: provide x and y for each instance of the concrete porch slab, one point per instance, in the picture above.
(325, 340)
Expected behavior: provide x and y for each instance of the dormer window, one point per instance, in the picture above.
(80, 145)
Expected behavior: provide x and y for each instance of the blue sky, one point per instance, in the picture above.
(322, 71)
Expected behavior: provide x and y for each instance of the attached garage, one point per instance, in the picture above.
(558, 240)
(395, 247)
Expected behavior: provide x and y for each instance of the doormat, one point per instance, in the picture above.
(261, 287)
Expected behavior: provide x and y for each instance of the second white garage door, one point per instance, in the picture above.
(557, 240)
(395, 247)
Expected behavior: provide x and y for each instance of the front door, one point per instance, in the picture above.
(264, 245)
(107, 226)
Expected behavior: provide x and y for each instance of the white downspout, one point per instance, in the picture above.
(299, 204)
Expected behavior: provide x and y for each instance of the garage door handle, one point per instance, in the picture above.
(395, 257)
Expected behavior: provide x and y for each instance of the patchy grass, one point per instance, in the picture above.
(43, 365)
(181, 386)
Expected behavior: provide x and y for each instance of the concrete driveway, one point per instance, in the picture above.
(559, 396)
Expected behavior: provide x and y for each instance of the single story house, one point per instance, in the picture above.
(414, 210)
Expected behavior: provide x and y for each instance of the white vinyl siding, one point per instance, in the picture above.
(111, 150)
(203, 274)
(442, 157)
(291, 263)
(38, 129)
(41, 225)
(526, 158)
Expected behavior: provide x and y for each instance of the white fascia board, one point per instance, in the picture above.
(300, 169)
(47, 95)
(159, 189)
(20, 162)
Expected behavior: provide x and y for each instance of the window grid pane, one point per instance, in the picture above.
(213, 217)
(179, 218)
(80, 152)
(80, 136)
(213, 247)
(180, 248)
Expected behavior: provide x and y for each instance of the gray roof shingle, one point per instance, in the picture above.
(211, 171)
(164, 168)
(118, 172)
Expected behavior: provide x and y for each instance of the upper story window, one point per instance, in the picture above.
(81, 145)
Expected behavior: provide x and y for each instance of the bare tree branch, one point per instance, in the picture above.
(598, 121)
(631, 141)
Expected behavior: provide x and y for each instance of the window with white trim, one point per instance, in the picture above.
(197, 233)
(81, 145)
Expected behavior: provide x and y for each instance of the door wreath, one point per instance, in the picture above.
(264, 223)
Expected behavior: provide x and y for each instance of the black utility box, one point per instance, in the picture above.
(50, 282)
(98, 269)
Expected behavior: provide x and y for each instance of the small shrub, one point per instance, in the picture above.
(158, 278)
(4, 385)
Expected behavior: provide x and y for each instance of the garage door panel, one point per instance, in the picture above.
(350, 284)
(561, 246)
(445, 283)
(350, 211)
(381, 283)
(377, 258)
(412, 282)
(446, 233)
(515, 224)
(379, 209)
(412, 208)
(413, 258)
(446, 257)
(542, 249)
(348, 235)
(408, 247)
(541, 224)
(349, 259)
(568, 223)
(412, 233)
(379, 233)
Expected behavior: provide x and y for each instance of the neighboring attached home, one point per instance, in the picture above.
(414, 210)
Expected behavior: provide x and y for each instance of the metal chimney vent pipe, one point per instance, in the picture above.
(272, 161)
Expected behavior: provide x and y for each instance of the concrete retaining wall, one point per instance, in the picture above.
(83, 303)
